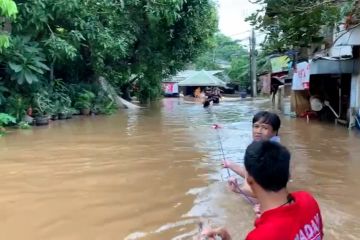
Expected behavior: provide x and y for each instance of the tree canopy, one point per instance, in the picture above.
(222, 48)
(8, 11)
(231, 51)
(123, 41)
(294, 24)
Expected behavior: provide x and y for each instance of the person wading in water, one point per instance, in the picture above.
(265, 126)
(284, 215)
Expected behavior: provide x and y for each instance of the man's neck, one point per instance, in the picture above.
(271, 200)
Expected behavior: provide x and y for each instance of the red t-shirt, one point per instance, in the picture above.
(301, 220)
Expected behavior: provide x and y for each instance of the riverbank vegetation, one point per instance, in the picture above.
(52, 53)
(234, 54)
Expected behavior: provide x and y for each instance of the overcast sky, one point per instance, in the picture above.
(232, 14)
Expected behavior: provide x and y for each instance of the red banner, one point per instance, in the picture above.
(170, 88)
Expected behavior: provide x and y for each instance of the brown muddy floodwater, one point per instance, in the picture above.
(153, 173)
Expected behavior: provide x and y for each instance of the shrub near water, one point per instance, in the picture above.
(4, 120)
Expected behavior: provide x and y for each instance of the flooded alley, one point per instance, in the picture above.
(153, 173)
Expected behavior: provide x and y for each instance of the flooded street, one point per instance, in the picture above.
(153, 173)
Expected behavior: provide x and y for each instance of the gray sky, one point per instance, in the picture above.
(232, 14)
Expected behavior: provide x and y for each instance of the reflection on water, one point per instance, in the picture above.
(153, 173)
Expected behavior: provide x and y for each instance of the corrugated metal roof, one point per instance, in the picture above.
(180, 76)
(202, 78)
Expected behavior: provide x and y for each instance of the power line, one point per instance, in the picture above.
(236, 34)
(247, 38)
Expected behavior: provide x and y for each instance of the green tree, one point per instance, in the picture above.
(221, 48)
(171, 37)
(226, 49)
(8, 11)
(240, 72)
(122, 41)
(296, 24)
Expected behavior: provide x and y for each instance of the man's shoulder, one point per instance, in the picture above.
(302, 194)
(285, 222)
(302, 197)
(267, 231)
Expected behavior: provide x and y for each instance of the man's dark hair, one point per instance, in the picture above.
(268, 118)
(268, 163)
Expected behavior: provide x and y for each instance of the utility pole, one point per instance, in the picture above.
(253, 63)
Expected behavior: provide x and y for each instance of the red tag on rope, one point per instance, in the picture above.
(216, 126)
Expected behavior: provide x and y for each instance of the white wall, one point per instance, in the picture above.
(355, 86)
(354, 96)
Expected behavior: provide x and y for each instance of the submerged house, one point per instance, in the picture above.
(201, 79)
(335, 78)
(186, 81)
(328, 83)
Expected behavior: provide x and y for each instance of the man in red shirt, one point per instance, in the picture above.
(284, 216)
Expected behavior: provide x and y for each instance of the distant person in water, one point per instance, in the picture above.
(284, 215)
(197, 92)
(213, 96)
(206, 103)
(265, 126)
(208, 96)
(216, 94)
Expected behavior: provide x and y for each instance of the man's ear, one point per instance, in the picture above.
(250, 180)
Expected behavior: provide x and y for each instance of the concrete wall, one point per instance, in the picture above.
(279, 99)
(355, 93)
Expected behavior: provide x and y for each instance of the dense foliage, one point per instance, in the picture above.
(47, 43)
(295, 24)
(224, 49)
